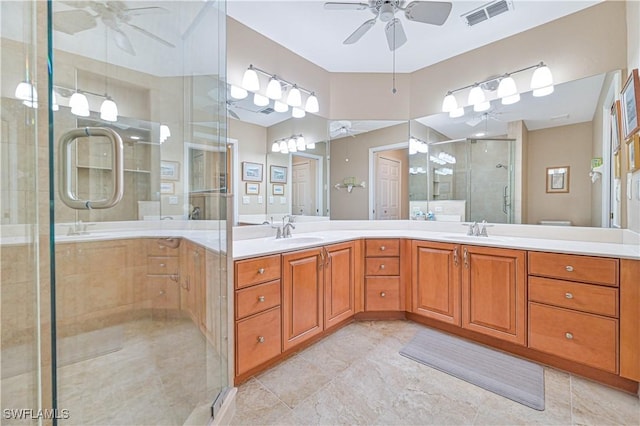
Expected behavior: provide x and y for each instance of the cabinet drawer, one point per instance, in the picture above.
(582, 297)
(161, 293)
(162, 265)
(382, 247)
(596, 270)
(382, 294)
(163, 247)
(258, 298)
(382, 266)
(585, 338)
(259, 270)
(258, 339)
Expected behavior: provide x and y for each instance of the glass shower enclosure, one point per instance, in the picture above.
(109, 315)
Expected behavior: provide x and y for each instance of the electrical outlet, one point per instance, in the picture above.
(246, 200)
(283, 200)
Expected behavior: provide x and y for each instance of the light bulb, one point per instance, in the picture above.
(79, 105)
(280, 106)
(312, 104)
(292, 145)
(294, 98)
(449, 104)
(283, 147)
(274, 89)
(297, 112)
(250, 80)
(238, 92)
(275, 147)
(259, 100)
(109, 110)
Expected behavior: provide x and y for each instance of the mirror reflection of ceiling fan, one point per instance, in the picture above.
(115, 15)
(342, 128)
(427, 12)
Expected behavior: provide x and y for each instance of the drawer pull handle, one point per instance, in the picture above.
(383, 294)
(383, 248)
(568, 335)
(569, 268)
(568, 295)
(382, 266)
(260, 339)
(260, 298)
(261, 271)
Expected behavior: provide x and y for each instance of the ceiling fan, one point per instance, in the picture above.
(115, 15)
(427, 12)
(342, 128)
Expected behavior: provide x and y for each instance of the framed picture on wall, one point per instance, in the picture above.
(633, 152)
(252, 188)
(251, 172)
(167, 188)
(170, 170)
(630, 104)
(278, 189)
(278, 174)
(557, 179)
(616, 126)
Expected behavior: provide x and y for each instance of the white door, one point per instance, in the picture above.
(301, 189)
(387, 188)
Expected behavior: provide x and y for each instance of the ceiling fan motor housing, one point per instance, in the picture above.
(385, 9)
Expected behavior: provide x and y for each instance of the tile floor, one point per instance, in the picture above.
(356, 376)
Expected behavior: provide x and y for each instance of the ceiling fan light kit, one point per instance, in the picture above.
(541, 85)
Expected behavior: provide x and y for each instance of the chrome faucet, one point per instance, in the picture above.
(278, 228)
(286, 227)
(475, 231)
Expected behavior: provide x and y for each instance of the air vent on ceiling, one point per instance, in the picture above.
(267, 110)
(487, 11)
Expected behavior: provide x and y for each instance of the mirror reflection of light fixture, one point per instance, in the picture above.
(541, 85)
(26, 92)
(79, 104)
(275, 147)
(109, 110)
(259, 100)
(297, 112)
(284, 148)
(250, 80)
(280, 106)
(294, 98)
(54, 101)
(165, 133)
(238, 92)
(274, 89)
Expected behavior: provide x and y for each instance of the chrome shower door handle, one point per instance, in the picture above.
(67, 195)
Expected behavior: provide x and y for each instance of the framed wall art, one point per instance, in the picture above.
(278, 174)
(252, 188)
(251, 172)
(630, 104)
(169, 170)
(633, 153)
(278, 189)
(557, 179)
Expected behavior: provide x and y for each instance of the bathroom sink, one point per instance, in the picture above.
(300, 240)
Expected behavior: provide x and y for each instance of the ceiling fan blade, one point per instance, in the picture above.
(136, 11)
(358, 33)
(395, 34)
(73, 21)
(335, 5)
(123, 42)
(428, 12)
(151, 35)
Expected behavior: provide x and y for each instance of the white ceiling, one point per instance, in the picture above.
(316, 34)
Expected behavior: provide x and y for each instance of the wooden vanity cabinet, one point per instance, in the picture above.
(573, 308)
(383, 283)
(494, 292)
(163, 273)
(630, 319)
(436, 281)
(339, 283)
(193, 282)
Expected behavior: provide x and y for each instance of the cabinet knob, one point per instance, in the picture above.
(568, 335)
(261, 271)
(260, 339)
(383, 294)
(382, 266)
(260, 298)
(568, 295)
(383, 248)
(569, 268)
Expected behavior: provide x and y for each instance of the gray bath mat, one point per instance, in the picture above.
(514, 378)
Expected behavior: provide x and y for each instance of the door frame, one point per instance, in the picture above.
(372, 171)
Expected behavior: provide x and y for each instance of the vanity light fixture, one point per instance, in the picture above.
(541, 85)
(259, 100)
(274, 89)
(79, 104)
(280, 106)
(294, 98)
(238, 92)
(109, 110)
(26, 92)
(291, 143)
(165, 133)
(297, 112)
(250, 80)
(275, 147)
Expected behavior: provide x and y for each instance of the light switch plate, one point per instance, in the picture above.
(173, 200)
(271, 200)
(246, 200)
(638, 187)
(283, 200)
(629, 186)
(260, 199)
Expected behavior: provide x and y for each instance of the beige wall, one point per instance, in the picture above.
(251, 140)
(560, 146)
(633, 61)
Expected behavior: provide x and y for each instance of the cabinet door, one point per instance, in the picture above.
(435, 281)
(493, 292)
(187, 292)
(302, 304)
(339, 284)
(629, 319)
(199, 285)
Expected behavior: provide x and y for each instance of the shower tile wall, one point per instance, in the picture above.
(487, 181)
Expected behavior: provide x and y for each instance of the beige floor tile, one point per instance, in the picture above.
(594, 404)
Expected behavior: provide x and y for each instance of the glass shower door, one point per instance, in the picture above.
(139, 319)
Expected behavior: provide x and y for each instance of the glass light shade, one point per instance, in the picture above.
(292, 144)
(275, 147)
(301, 140)
(54, 101)
(423, 148)
(476, 96)
(312, 145)
(294, 98)
(413, 146)
(280, 106)
(79, 105)
(165, 132)
(312, 104)
(300, 146)
(458, 112)
(507, 87)
(274, 89)
(297, 112)
(283, 147)
(25, 91)
(250, 80)
(109, 110)
(482, 106)
(508, 100)
(259, 100)
(543, 91)
(238, 92)
(449, 104)
(541, 78)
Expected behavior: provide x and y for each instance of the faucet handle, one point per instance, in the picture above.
(472, 227)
